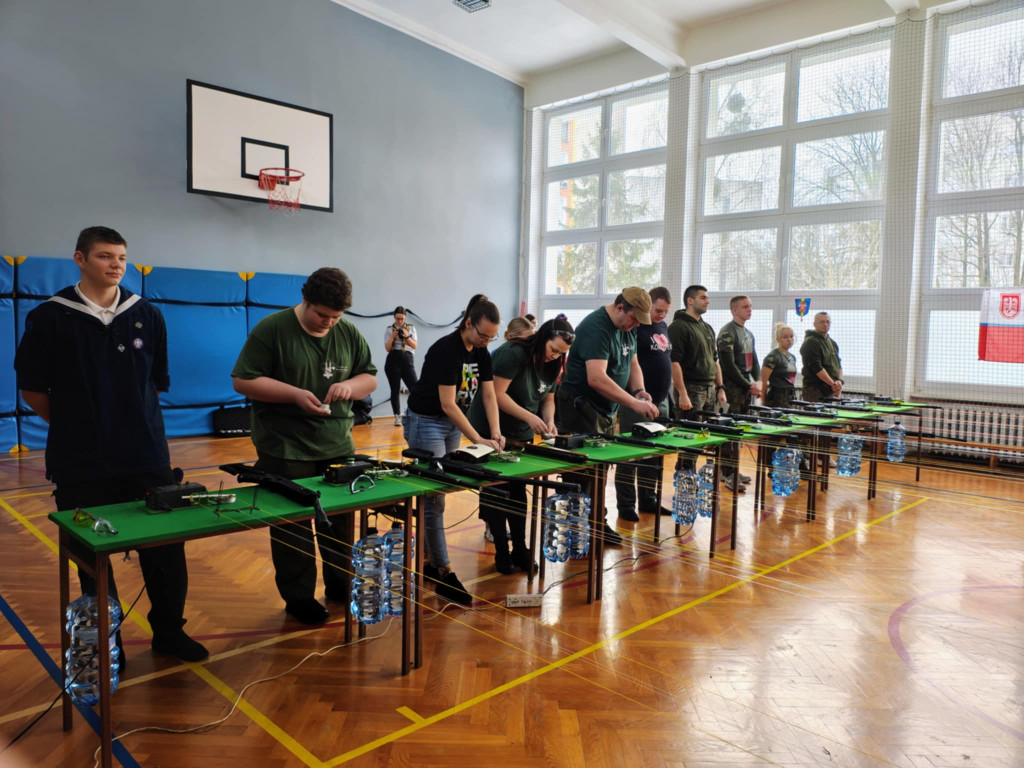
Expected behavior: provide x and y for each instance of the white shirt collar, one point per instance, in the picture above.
(104, 314)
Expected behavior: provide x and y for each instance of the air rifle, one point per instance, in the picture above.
(282, 486)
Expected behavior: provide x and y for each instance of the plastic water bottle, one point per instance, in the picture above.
(784, 462)
(705, 489)
(796, 456)
(684, 502)
(82, 662)
(566, 527)
(368, 605)
(848, 462)
(896, 448)
(394, 567)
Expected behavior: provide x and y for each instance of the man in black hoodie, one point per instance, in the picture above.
(822, 368)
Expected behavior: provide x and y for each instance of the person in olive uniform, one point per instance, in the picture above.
(742, 373)
(778, 369)
(822, 367)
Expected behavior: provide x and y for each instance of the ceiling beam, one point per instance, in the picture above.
(899, 6)
(635, 24)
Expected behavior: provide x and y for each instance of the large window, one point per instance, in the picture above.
(792, 187)
(880, 175)
(974, 227)
(604, 198)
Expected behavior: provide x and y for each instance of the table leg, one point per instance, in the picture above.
(364, 522)
(407, 603)
(812, 480)
(531, 510)
(716, 498)
(348, 545)
(417, 596)
(873, 464)
(103, 614)
(541, 506)
(601, 471)
(920, 429)
(657, 492)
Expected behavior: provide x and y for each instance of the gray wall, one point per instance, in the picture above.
(427, 148)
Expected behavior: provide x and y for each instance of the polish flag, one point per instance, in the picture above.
(1001, 336)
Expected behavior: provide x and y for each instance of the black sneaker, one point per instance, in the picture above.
(523, 559)
(503, 562)
(744, 478)
(307, 611)
(628, 515)
(729, 481)
(612, 538)
(450, 588)
(658, 511)
(179, 645)
(431, 575)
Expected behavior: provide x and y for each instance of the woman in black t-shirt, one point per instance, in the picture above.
(525, 372)
(456, 370)
(778, 370)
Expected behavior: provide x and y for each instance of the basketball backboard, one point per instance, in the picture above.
(232, 135)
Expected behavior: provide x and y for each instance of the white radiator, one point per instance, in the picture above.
(977, 431)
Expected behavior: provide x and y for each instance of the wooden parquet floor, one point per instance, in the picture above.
(884, 633)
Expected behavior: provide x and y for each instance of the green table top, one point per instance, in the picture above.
(138, 526)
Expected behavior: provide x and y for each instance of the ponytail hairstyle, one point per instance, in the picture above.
(537, 344)
(480, 308)
(518, 327)
(779, 328)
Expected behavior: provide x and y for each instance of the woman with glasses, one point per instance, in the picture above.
(456, 372)
(525, 371)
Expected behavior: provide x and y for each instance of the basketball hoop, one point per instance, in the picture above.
(283, 186)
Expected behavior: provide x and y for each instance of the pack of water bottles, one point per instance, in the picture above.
(82, 661)
(379, 565)
(848, 460)
(566, 527)
(706, 489)
(684, 501)
(896, 446)
(786, 470)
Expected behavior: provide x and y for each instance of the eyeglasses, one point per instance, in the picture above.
(99, 524)
(569, 336)
(488, 339)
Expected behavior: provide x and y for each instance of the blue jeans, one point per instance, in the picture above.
(438, 435)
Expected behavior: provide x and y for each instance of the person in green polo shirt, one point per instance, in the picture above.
(302, 367)
(525, 371)
(602, 373)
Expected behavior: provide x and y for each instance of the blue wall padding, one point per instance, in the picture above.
(32, 431)
(42, 276)
(255, 314)
(185, 422)
(8, 433)
(6, 278)
(274, 289)
(8, 381)
(202, 345)
(196, 286)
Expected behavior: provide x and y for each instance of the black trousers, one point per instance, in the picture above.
(496, 510)
(291, 544)
(398, 367)
(163, 568)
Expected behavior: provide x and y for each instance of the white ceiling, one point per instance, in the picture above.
(527, 40)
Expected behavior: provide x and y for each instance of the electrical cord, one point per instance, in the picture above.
(53, 703)
(238, 698)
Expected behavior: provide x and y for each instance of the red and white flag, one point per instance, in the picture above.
(1001, 336)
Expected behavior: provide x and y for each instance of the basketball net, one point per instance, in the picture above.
(283, 187)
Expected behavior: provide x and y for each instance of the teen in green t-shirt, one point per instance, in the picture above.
(302, 368)
(525, 372)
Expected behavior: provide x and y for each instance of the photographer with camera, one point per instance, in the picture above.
(399, 341)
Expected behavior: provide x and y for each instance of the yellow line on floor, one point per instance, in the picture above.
(208, 677)
(558, 664)
(410, 714)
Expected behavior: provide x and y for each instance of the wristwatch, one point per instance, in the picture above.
(719, 386)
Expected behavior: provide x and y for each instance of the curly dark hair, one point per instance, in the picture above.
(328, 287)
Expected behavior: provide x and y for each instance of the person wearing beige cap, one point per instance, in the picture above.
(602, 372)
